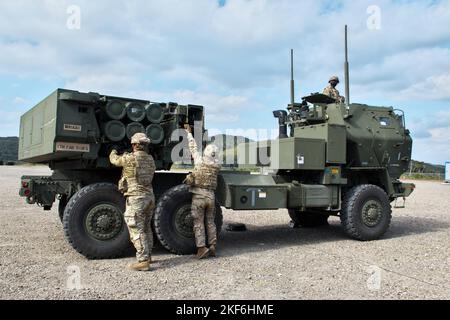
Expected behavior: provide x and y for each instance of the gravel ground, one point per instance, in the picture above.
(269, 261)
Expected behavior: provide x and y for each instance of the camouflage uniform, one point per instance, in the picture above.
(202, 186)
(332, 91)
(136, 184)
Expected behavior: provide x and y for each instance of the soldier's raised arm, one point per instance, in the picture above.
(193, 148)
(116, 159)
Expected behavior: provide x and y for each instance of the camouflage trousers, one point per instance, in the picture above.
(203, 213)
(138, 216)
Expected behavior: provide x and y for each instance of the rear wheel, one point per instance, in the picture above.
(366, 212)
(308, 219)
(93, 222)
(173, 220)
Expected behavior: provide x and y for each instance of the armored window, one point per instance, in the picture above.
(385, 121)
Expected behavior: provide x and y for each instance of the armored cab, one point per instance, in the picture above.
(331, 158)
(333, 155)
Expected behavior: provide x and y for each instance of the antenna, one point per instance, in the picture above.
(292, 78)
(347, 81)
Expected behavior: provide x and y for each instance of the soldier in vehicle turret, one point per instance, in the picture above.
(331, 90)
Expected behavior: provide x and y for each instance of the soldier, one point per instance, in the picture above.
(136, 185)
(331, 90)
(203, 183)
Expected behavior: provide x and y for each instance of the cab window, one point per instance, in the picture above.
(385, 121)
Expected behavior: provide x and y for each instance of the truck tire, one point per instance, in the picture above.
(308, 219)
(366, 212)
(173, 222)
(93, 222)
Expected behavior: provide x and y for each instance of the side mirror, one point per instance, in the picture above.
(282, 118)
(280, 114)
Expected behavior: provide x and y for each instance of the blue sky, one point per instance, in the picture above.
(232, 57)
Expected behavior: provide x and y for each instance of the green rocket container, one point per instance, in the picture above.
(135, 111)
(155, 113)
(115, 110)
(156, 133)
(133, 128)
(114, 130)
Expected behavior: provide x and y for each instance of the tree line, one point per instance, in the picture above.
(9, 148)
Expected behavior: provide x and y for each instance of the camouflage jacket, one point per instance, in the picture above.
(137, 173)
(333, 93)
(205, 172)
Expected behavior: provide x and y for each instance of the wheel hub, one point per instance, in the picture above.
(104, 222)
(184, 223)
(371, 213)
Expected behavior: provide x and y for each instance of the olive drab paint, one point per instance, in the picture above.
(83, 126)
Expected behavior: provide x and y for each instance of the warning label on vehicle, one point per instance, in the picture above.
(72, 147)
(72, 127)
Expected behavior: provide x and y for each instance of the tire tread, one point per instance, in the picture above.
(89, 251)
(348, 206)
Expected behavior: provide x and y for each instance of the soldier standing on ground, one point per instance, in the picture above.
(331, 90)
(136, 185)
(203, 183)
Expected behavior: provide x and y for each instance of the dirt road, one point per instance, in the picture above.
(269, 261)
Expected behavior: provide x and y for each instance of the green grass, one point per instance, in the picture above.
(420, 176)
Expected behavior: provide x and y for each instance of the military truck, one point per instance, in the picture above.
(338, 159)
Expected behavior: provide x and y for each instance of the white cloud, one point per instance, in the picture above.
(227, 58)
(103, 83)
(218, 108)
(436, 87)
(9, 122)
(20, 101)
(243, 44)
(432, 137)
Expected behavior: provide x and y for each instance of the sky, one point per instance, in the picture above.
(232, 56)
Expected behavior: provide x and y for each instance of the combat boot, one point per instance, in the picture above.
(202, 252)
(140, 266)
(212, 250)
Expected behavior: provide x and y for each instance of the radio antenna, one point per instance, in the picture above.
(292, 78)
(347, 80)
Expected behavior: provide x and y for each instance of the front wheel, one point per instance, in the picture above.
(366, 212)
(93, 222)
(173, 220)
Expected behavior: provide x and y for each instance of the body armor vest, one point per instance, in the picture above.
(137, 174)
(205, 176)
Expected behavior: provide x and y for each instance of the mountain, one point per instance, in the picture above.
(9, 147)
(226, 142)
(423, 167)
